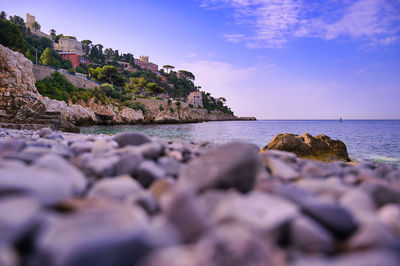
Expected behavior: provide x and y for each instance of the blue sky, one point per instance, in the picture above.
(273, 59)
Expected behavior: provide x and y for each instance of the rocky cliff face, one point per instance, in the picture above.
(19, 98)
(185, 115)
(92, 113)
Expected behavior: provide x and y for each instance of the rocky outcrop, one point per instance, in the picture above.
(91, 113)
(320, 147)
(186, 115)
(19, 100)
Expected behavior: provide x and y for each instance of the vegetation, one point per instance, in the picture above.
(212, 104)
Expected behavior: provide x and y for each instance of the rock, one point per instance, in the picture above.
(80, 147)
(281, 170)
(377, 257)
(309, 236)
(382, 194)
(151, 150)
(359, 202)
(170, 166)
(333, 217)
(117, 188)
(8, 256)
(47, 185)
(100, 166)
(128, 164)
(20, 98)
(161, 187)
(148, 172)
(327, 189)
(320, 147)
(185, 212)
(63, 170)
(390, 216)
(99, 236)
(131, 138)
(45, 132)
(232, 165)
(18, 216)
(67, 126)
(262, 212)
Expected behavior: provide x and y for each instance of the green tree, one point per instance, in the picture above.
(48, 58)
(186, 74)
(11, 36)
(36, 26)
(152, 88)
(53, 34)
(3, 15)
(86, 46)
(19, 22)
(168, 68)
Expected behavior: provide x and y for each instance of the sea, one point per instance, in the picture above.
(371, 140)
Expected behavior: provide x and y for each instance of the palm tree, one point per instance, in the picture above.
(36, 26)
(53, 33)
(3, 15)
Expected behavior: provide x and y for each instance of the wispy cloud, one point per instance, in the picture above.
(272, 23)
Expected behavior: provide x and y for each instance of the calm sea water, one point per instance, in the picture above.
(377, 140)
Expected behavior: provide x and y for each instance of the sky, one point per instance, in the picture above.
(272, 59)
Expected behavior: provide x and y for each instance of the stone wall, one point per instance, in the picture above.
(41, 72)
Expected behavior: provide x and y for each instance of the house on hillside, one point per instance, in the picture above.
(71, 49)
(195, 98)
(144, 63)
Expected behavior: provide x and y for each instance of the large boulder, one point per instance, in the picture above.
(19, 98)
(320, 147)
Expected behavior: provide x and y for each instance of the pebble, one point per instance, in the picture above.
(231, 165)
(131, 138)
(148, 172)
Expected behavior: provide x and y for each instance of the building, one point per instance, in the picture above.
(195, 98)
(144, 63)
(34, 27)
(71, 49)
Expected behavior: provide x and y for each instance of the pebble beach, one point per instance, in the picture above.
(128, 199)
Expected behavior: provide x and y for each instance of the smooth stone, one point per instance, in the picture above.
(375, 257)
(18, 216)
(263, 212)
(45, 132)
(371, 234)
(182, 209)
(8, 256)
(281, 170)
(147, 201)
(46, 185)
(116, 188)
(128, 164)
(281, 155)
(63, 169)
(162, 187)
(382, 194)
(390, 216)
(13, 145)
(308, 235)
(104, 236)
(320, 169)
(359, 202)
(102, 146)
(80, 147)
(323, 187)
(233, 165)
(170, 166)
(131, 138)
(102, 166)
(151, 150)
(148, 172)
(334, 217)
